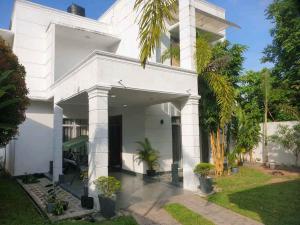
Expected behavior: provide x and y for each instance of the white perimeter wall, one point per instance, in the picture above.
(276, 152)
(33, 147)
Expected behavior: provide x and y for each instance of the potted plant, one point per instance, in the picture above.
(202, 170)
(232, 164)
(107, 187)
(148, 155)
(58, 208)
(234, 168)
(51, 199)
(86, 201)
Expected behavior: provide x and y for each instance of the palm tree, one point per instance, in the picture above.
(266, 86)
(151, 21)
(152, 15)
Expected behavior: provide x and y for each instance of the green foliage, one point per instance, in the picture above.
(220, 94)
(247, 133)
(185, 216)
(289, 138)
(284, 51)
(13, 91)
(152, 15)
(232, 157)
(147, 154)
(251, 96)
(203, 169)
(107, 185)
(58, 208)
(172, 52)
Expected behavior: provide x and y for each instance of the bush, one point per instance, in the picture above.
(13, 94)
(203, 169)
(107, 186)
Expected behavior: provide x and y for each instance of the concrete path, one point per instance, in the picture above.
(152, 212)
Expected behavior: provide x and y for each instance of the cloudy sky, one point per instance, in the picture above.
(250, 15)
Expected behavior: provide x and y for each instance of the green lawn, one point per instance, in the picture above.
(252, 193)
(185, 216)
(17, 209)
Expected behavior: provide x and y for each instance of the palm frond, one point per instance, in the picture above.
(224, 93)
(152, 15)
(171, 52)
(288, 109)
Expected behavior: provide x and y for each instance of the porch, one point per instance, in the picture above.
(117, 116)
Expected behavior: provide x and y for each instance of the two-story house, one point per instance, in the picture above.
(84, 77)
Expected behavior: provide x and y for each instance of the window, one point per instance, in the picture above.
(73, 128)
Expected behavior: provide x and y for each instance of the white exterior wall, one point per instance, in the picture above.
(121, 17)
(160, 135)
(277, 153)
(133, 130)
(33, 145)
(34, 41)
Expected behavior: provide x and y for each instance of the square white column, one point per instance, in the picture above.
(98, 138)
(57, 141)
(190, 142)
(187, 26)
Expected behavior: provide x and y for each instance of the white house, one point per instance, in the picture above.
(86, 73)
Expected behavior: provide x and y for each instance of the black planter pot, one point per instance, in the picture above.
(151, 173)
(65, 205)
(87, 202)
(107, 206)
(234, 170)
(206, 184)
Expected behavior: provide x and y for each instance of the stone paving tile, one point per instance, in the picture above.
(211, 211)
(152, 213)
(38, 192)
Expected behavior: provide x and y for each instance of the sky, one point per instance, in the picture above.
(249, 14)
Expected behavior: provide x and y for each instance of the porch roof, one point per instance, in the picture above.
(113, 71)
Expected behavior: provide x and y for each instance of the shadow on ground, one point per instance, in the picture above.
(276, 204)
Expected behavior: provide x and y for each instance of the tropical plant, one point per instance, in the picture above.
(247, 134)
(289, 139)
(152, 15)
(284, 52)
(231, 157)
(58, 208)
(107, 185)
(203, 169)
(13, 91)
(147, 154)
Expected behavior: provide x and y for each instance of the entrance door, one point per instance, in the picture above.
(115, 142)
(176, 140)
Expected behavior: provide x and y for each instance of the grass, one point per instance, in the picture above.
(185, 216)
(252, 193)
(16, 209)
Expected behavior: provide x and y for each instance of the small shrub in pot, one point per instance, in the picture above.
(107, 187)
(202, 170)
(149, 155)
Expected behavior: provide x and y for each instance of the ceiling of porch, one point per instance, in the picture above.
(121, 97)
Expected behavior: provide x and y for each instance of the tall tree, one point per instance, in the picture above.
(13, 94)
(284, 51)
